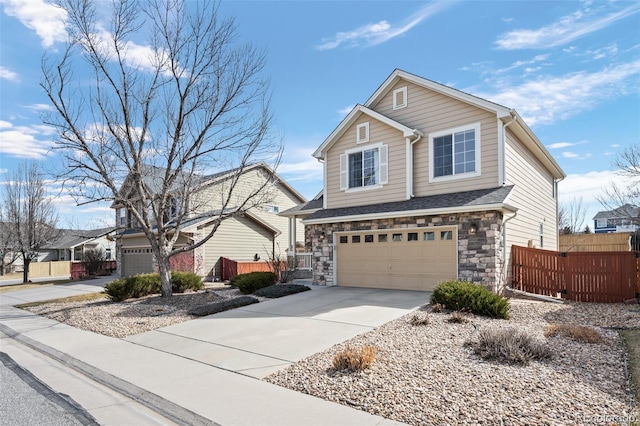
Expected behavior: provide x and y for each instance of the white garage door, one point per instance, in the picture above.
(408, 259)
(136, 261)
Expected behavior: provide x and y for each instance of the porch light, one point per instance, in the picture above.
(473, 229)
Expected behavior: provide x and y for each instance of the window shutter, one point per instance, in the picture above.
(384, 164)
(344, 184)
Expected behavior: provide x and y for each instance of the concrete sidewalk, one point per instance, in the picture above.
(206, 370)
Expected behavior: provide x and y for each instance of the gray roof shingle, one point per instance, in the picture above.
(468, 199)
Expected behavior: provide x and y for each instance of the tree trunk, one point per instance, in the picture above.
(25, 272)
(164, 269)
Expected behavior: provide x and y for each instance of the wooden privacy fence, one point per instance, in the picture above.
(604, 277)
(231, 268)
(620, 241)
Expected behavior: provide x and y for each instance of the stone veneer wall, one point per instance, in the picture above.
(480, 256)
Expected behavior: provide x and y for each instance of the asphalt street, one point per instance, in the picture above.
(25, 400)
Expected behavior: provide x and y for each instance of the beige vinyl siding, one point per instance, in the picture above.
(394, 190)
(238, 238)
(210, 198)
(532, 195)
(141, 241)
(430, 111)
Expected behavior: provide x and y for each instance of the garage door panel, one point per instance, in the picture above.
(412, 259)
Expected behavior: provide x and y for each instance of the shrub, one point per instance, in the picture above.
(248, 283)
(509, 345)
(280, 290)
(437, 308)
(142, 285)
(458, 295)
(576, 332)
(458, 318)
(355, 359)
(225, 305)
(183, 281)
(417, 319)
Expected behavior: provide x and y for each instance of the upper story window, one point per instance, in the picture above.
(364, 168)
(400, 98)
(122, 217)
(272, 208)
(601, 223)
(362, 133)
(454, 153)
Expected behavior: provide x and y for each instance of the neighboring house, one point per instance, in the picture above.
(242, 236)
(72, 243)
(625, 218)
(425, 183)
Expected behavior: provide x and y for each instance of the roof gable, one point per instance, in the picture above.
(355, 113)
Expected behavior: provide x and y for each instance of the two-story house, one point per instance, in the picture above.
(241, 236)
(425, 183)
(625, 218)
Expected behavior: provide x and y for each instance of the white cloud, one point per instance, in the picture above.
(550, 98)
(560, 145)
(2, 171)
(47, 20)
(569, 154)
(39, 107)
(23, 142)
(379, 32)
(7, 74)
(565, 30)
(517, 64)
(346, 110)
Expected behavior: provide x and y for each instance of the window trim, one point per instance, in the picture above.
(402, 90)
(382, 173)
(364, 126)
(476, 127)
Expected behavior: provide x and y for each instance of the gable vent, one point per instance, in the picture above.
(400, 98)
(362, 132)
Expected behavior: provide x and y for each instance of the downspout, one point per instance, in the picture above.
(503, 146)
(504, 245)
(410, 181)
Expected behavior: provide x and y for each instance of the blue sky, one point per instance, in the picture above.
(570, 68)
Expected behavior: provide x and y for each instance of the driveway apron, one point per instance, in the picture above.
(260, 339)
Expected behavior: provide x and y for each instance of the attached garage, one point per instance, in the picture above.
(408, 258)
(136, 261)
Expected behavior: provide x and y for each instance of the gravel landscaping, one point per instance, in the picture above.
(426, 375)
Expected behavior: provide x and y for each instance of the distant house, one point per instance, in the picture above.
(625, 218)
(243, 235)
(72, 243)
(425, 183)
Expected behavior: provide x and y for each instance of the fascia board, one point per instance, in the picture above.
(426, 212)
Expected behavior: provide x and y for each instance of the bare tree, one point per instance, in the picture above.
(156, 118)
(620, 197)
(571, 216)
(29, 214)
(8, 252)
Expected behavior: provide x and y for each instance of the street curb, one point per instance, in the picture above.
(168, 409)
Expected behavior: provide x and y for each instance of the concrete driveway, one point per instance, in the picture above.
(260, 339)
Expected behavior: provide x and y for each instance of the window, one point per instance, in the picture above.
(455, 153)
(429, 236)
(355, 238)
(107, 254)
(541, 234)
(396, 237)
(400, 98)
(364, 168)
(412, 236)
(362, 132)
(272, 208)
(368, 238)
(122, 217)
(344, 239)
(601, 223)
(446, 235)
(382, 238)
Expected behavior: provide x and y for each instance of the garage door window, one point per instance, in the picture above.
(446, 235)
(396, 237)
(355, 238)
(412, 236)
(344, 239)
(382, 238)
(368, 238)
(429, 236)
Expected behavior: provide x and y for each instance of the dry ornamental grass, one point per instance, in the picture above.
(576, 332)
(355, 359)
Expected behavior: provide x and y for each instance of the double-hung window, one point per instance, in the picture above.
(455, 153)
(364, 168)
